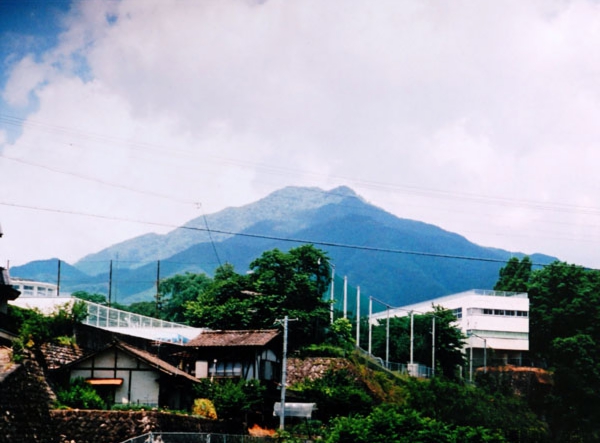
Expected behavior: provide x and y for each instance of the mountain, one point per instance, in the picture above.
(397, 261)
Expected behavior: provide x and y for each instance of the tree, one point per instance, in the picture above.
(176, 292)
(514, 277)
(278, 284)
(565, 333)
(94, 298)
(448, 340)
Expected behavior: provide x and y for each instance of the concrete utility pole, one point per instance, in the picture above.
(370, 326)
(387, 339)
(412, 339)
(331, 295)
(283, 370)
(345, 296)
(358, 316)
(433, 346)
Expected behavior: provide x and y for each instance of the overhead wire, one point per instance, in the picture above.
(272, 237)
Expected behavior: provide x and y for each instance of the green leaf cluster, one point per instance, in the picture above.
(232, 399)
(278, 284)
(393, 424)
(449, 340)
(80, 395)
(565, 337)
(337, 393)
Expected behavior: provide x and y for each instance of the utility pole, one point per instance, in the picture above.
(370, 326)
(331, 295)
(345, 296)
(109, 284)
(283, 371)
(358, 316)
(58, 280)
(412, 340)
(433, 347)
(157, 288)
(387, 339)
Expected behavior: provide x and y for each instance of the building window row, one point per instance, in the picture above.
(497, 312)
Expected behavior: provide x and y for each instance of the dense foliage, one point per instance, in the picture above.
(278, 284)
(232, 399)
(448, 340)
(79, 394)
(393, 424)
(35, 328)
(564, 336)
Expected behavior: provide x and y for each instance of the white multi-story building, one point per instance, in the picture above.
(496, 323)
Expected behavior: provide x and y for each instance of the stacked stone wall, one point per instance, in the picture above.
(117, 426)
(25, 402)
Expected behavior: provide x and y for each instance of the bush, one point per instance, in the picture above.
(232, 399)
(389, 424)
(337, 393)
(80, 395)
(204, 408)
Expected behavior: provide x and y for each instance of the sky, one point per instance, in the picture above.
(119, 118)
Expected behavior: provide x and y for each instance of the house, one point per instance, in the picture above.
(247, 354)
(496, 323)
(124, 374)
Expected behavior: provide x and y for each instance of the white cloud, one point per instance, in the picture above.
(453, 114)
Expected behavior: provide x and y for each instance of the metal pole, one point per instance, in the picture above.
(370, 326)
(485, 356)
(471, 361)
(433, 347)
(345, 296)
(387, 340)
(331, 296)
(109, 284)
(283, 373)
(58, 280)
(358, 316)
(157, 287)
(412, 328)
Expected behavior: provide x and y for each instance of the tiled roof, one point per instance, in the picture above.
(155, 362)
(57, 356)
(233, 338)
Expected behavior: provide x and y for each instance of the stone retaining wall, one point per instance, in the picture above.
(116, 426)
(25, 401)
(299, 369)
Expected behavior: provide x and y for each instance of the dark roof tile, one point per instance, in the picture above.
(233, 338)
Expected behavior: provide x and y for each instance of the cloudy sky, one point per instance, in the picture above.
(119, 118)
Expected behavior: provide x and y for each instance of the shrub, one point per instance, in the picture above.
(204, 408)
(80, 395)
(232, 399)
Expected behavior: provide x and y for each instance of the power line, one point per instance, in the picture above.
(271, 237)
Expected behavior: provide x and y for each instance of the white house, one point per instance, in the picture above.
(496, 323)
(123, 374)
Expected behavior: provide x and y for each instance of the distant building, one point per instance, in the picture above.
(496, 323)
(30, 288)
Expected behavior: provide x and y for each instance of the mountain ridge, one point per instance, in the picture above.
(396, 260)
